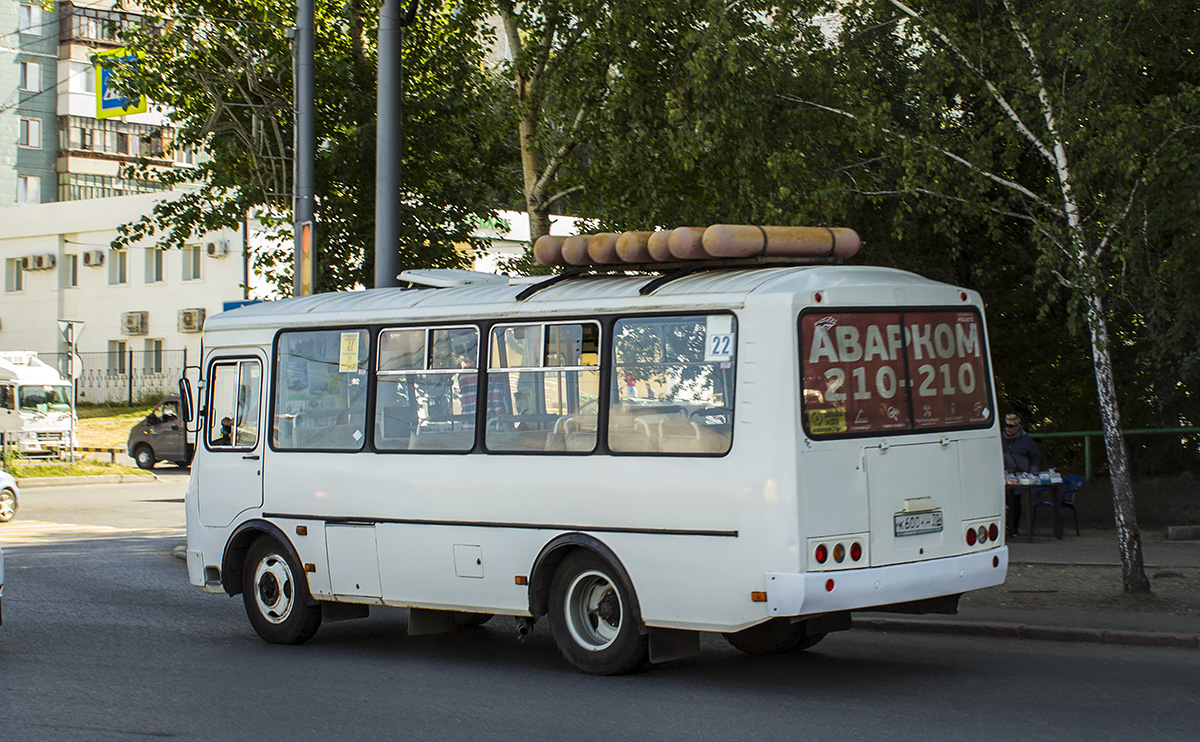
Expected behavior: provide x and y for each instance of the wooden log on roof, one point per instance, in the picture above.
(748, 241)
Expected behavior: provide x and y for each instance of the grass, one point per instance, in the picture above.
(29, 468)
(108, 427)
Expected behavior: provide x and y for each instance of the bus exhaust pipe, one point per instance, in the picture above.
(524, 626)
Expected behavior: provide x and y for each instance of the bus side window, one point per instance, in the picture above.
(235, 390)
(543, 387)
(425, 390)
(6, 397)
(321, 390)
(673, 385)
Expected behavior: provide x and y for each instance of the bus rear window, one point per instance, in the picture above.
(868, 372)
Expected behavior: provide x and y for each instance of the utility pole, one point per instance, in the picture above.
(389, 142)
(305, 149)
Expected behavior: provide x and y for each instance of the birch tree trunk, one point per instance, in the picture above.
(1129, 537)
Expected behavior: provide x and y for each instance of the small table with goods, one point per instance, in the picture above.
(1026, 485)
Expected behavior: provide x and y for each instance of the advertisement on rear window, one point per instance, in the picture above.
(893, 371)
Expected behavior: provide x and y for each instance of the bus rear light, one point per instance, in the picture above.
(856, 551)
(983, 534)
(993, 532)
(839, 553)
(829, 586)
(822, 553)
(758, 596)
(970, 537)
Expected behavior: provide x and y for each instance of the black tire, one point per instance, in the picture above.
(8, 505)
(275, 593)
(593, 617)
(143, 456)
(472, 620)
(775, 636)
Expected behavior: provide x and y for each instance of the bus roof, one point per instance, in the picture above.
(583, 294)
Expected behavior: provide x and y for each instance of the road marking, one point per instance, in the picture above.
(28, 532)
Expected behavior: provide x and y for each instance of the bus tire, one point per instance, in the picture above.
(592, 617)
(275, 593)
(775, 636)
(143, 456)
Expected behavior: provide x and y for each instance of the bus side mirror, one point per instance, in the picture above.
(185, 399)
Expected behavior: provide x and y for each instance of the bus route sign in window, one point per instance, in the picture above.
(866, 372)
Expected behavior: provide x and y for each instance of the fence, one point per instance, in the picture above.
(124, 377)
(1185, 444)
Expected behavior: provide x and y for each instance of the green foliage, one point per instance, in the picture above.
(224, 69)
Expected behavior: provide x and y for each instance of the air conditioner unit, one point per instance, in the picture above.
(216, 249)
(135, 323)
(46, 261)
(29, 262)
(93, 257)
(191, 320)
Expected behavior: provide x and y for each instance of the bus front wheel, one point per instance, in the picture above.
(275, 592)
(593, 619)
(775, 636)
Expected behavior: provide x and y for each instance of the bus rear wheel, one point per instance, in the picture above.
(592, 617)
(275, 593)
(775, 636)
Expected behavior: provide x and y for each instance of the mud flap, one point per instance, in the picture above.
(673, 644)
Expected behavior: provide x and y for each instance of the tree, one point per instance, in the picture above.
(223, 69)
(1061, 119)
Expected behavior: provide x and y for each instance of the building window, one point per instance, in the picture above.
(152, 363)
(29, 189)
(191, 263)
(116, 357)
(78, 186)
(154, 265)
(186, 156)
(122, 143)
(72, 269)
(30, 19)
(31, 77)
(31, 133)
(118, 267)
(14, 275)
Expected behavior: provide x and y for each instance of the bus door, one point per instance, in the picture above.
(233, 442)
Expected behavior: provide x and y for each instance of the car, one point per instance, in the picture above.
(10, 497)
(161, 436)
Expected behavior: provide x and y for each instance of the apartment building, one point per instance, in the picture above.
(62, 197)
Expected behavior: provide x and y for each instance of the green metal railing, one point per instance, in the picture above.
(1088, 435)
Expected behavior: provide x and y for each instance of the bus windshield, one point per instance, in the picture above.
(45, 398)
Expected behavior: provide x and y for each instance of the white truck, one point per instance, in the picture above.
(37, 410)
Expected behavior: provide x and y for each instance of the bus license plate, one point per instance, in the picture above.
(912, 524)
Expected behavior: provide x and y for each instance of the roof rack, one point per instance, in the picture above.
(667, 272)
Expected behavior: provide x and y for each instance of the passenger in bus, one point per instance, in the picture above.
(1021, 454)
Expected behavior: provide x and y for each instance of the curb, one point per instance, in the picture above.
(35, 482)
(1027, 631)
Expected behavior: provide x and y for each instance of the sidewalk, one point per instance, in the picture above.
(1070, 590)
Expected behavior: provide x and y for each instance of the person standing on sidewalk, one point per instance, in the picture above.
(1021, 454)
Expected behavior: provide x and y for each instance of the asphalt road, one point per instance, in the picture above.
(103, 639)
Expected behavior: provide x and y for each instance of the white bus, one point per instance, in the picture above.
(752, 451)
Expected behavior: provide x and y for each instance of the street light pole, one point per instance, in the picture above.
(389, 143)
(305, 149)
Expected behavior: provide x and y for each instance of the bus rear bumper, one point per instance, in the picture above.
(790, 594)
